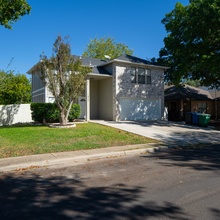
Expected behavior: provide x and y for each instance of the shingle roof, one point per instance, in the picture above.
(215, 94)
(137, 60)
(93, 62)
(186, 93)
(97, 64)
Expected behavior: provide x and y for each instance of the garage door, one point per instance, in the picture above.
(140, 109)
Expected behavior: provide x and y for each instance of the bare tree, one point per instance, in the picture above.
(64, 76)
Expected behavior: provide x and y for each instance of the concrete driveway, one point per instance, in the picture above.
(166, 131)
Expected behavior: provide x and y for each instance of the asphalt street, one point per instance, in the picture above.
(179, 184)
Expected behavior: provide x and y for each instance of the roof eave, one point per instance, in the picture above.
(32, 68)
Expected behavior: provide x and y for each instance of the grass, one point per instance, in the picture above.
(28, 140)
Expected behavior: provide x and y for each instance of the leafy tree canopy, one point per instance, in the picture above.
(195, 83)
(12, 10)
(97, 48)
(64, 76)
(192, 46)
(14, 88)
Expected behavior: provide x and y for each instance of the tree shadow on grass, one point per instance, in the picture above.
(34, 197)
(201, 159)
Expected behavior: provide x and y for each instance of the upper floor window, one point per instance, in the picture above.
(133, 74)
(148, 76)
(141, 76)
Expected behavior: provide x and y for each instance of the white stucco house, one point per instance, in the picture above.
(124, 88)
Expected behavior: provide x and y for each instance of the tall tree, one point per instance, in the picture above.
(98, 48)
(12, 10)
(192, 46)
(195, 83)
(14, 88)
(64, 76)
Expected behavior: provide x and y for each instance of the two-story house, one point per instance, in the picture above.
(121, 89)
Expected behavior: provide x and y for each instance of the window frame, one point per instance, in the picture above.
(148, 76)
(143, 76)
(137, 76)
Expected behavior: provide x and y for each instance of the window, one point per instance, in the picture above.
(202, 107)
(148, 76)
(141, 76)
(133, 74)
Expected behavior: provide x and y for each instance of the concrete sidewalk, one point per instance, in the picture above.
(9, 164)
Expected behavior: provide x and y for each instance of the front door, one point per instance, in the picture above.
(82, 103)
(173, 114)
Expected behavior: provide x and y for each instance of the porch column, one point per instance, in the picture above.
(87, 99)
(181, 109)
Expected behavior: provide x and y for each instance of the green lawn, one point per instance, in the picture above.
(28, 140)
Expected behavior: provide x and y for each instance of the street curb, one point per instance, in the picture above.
(85, 158)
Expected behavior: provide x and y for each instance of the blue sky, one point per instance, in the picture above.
(137, 23)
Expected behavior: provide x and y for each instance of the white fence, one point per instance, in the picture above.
(13, 114)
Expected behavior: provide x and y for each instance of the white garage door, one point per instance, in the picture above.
(140, 109)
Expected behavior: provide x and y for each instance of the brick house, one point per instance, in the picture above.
(124, 88)
(190, 99)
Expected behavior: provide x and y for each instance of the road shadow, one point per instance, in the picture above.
(198, 158)
(35, 197)
(215, 213)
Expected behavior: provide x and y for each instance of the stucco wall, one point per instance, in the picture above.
(94, 107)
(122, 86)
(105, 99)
(12, 114)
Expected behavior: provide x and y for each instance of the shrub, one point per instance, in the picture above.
(75, 112)
(50, 112)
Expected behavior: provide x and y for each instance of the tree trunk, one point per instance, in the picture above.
(62, 118)
(68, 111)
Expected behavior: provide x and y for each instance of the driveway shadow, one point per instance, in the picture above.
(159, 123)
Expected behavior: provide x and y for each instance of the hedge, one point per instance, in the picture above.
(50, 112)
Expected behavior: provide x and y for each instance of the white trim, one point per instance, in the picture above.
(87, 95)
(37, 95)
(37, 90)
(32, 68)
(45, 98)
(97, 74)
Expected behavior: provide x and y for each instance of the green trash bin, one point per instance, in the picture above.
(204, 120)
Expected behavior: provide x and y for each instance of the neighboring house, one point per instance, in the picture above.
(190, 99)
(125, 88)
